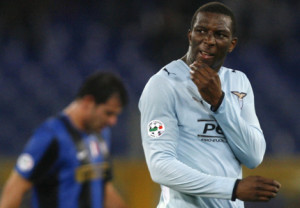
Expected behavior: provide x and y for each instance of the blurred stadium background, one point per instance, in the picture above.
(48, 47)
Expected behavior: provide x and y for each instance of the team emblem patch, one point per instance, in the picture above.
(240, 96)
(156, 128)
(25, 162)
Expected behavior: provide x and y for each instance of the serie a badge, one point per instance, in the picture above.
(156, 128)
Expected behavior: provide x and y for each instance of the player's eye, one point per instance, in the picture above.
(200, 30)
(220, 35)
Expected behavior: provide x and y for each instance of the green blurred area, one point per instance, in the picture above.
(133, 181)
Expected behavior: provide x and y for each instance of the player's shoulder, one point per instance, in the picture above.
(234, 73)
(170, 74)
(234, 79)
(48, 127)
(164, 82)
(52, 122)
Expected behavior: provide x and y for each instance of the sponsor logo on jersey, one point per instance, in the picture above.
(210, 131)
(156, 128)
(169, 73)
(25, 162)
(90, 172)
(240, 97)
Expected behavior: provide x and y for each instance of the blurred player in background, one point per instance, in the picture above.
(66, 161)
(199, 125)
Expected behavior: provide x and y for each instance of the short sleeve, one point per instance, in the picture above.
(39, 155)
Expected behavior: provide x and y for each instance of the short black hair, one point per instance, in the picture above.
(219, 8)
(102, 85)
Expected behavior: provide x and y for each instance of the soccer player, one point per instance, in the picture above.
(198, 122)
(66, 161)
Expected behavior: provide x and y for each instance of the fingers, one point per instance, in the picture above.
(195, 71)
(277, 184)
(257, 188)
(264, 196)
(263, 199)
(200, 72)
(201, 68)
(269, 188)
(197, 76)
(269, 182)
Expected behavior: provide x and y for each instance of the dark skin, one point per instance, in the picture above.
(257, 188)
(210, 40)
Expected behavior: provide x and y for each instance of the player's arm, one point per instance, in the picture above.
(240, 126)
(14, 190)
(31, 165)
(242, 129)
(157, 103)
(112, 198)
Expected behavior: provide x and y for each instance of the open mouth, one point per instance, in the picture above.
(206, 55)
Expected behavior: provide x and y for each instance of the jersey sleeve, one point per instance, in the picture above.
(38, 156)
(160, 135)
(237, 118)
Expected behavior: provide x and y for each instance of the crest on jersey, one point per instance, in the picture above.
(240, 96)
(156, 128)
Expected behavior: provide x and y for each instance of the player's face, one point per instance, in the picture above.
(211, 39)
(103, 115)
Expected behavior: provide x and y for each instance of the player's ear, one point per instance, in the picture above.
(233, 44)
(88, 101)
(189, 34)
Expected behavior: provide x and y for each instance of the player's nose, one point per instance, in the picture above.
(112, 120)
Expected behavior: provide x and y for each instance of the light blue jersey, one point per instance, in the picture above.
(195, 154)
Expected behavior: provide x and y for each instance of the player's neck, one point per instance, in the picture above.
(75, 115)
(184, 59)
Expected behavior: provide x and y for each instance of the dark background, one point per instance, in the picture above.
(48, 47)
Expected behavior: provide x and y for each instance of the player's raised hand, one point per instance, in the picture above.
(257, 188)
(207, 81)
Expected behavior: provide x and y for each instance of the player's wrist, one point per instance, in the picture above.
(214, 108)
(234, 195)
